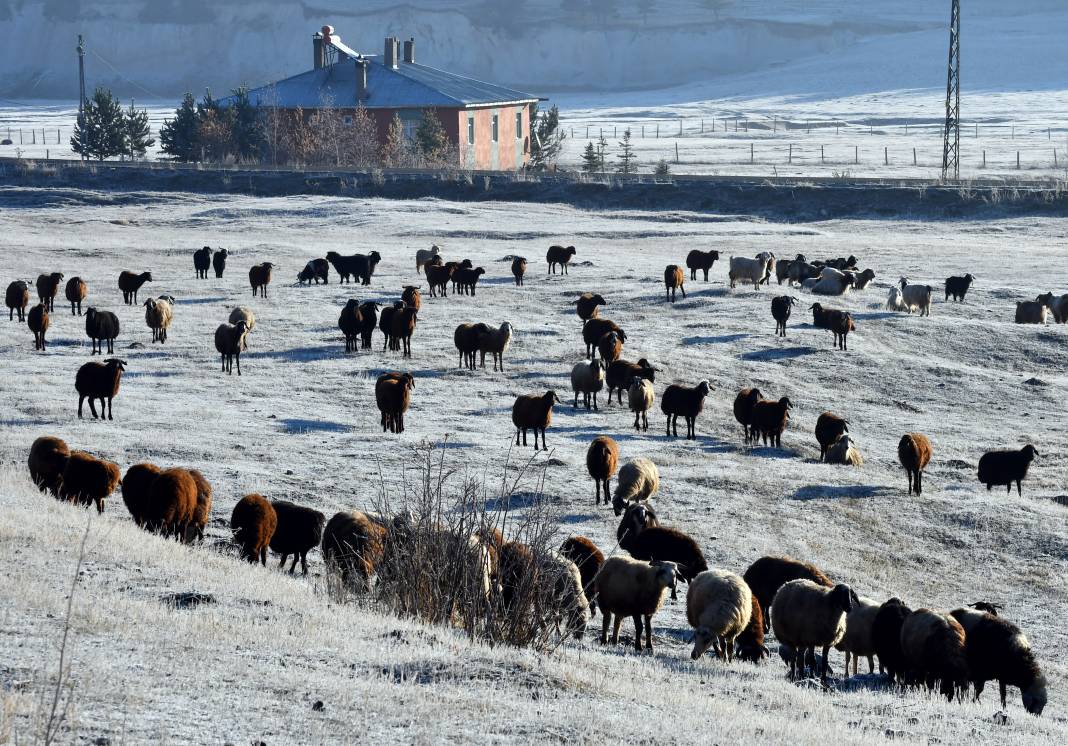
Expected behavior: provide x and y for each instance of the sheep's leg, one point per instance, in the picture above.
(823, 668)
(263, 556)
(636, 416)
(81, 400)
(683, 289)
(237, 355)
(606, 619)
(617, 622)
(595, 401)
(637, 632)
(109, 408)
(919, 482)
(645, 421)
(283, 562)
(669, 426)
(871, 664)
(92, 407)
(293, 567)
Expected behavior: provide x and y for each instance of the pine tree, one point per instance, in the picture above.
(430, 138)
(627, 159)
(178, 136)
(248, 135)
(546, 137)
(137, 134)
(100, 130)
(591, 161)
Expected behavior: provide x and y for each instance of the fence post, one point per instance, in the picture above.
(703, 125)
(658, 130)
(837, 124)
(615, 131)
(20, 136)
(886, 155)
(984, 159)
(906, 129)
(751, 153)
(587, 132)
(676, 152)
(914, 156)
(790, 158)
(774, 124)
(643, 131)
(856, 154)
(977, 131)
(1017, 160)
(1055, 158)
(680, 127)
(33, 135)
(821, 154)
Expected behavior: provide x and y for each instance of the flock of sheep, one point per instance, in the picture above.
(730, 613)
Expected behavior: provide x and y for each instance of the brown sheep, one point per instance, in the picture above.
(686, 401)
(594, 329)
(17, 298)
(393, 393)
(353, 547)
(586, 305)
(914, 453)
(99, 381)
(750, 644)
(411, 297)
(172, 501)
(230, 340)
(130, 283)
(701, 260)
(299, 530)
(841, 325)
(519, 269)
(38, 322)
(201, 511)
(602, 460)
(933, 644)
(588, 559)
(466, 339)
(48, 289)
(438, 275)
(770, 419)
(828, 427)
(136, 486)
(259, 277)
(350, 322)
(466, 279)
(743, 410)
(531, 412)
(76, 291)
(87, 479)
(620, 374)
(48, 459)
(253, 523)
(768, 574)
(559, 255)
(673, 279)
(402, 326)
(385, 322)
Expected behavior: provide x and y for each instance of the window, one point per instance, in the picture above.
(347, 120)
(496, 127)
(519, 125)
(470, 129)
(410, 126)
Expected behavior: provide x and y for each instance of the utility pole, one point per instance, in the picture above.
(951, 142)
(81, 76)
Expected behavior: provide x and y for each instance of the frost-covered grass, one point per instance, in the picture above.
(301, 424)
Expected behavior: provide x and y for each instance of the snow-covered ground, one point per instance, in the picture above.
(301, 424)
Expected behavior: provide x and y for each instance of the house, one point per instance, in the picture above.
(489, 124)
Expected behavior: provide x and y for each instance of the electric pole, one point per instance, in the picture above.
(81, 75)
(951, 143)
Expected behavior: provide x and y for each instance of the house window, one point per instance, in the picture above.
(470, 129)
(496, 126)
(410, 126)
(518, 125)
(347, 120)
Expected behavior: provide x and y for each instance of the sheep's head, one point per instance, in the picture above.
(352, 305)
(223, 252)
(268, 266)
(816, 308)
(1045, 299)
(844, 597)
(375, 257)
(1029, 452)
(903, 282)
(435, 250)
(149, 303)
(466, 263)
(330, 255)
(241, 326)
(667, 576)
(1034, 697)
(703, 638)
(786, 404)
(571, 251)
(114, 362)
(551, 398)
(146, 276)
(409, 380)
(704, 388)
(968, 278)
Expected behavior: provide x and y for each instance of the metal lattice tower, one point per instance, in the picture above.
(951, 144)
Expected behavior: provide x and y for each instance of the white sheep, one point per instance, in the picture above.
(640, 397)
(916, 297)
(844, 451)
(569, 598)
(244, 313)
(422, 256)
(806, 616)
(894, 300)
(159, 312)
(756, 271)
(626, 587)
(719, 605)
(831, 282)
(496, 343)
(638, 480)
(587, 379)
(857, 640)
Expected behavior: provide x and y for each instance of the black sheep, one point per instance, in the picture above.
(361, 266)
(1006, 467)
(700, 260)
(350, 323)
(780, 311)
(667, 545)
(219, 262)
(100, 326)
(621, 373)
(768, 574)
(316, 269)
(202, 262)
(886, 638)
(636, 518)
(996, 649)
(299, 530)
(958, 286)
(368, 322)
(99, 381)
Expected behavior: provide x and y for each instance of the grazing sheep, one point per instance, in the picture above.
(99, 381)
(559, 255)
(38, 321)
(172, 500)
(805, 615)
(958, 286)
(996, 649)
(718, 607)
(767, 574)
(422, 256)
(686, 401)
(517, 572)
(664, 544)
(894, 300)
(130, 283)
(519, 269)
(368, 322)
(87, 479)
(914, 453)
(755, 271)
(466, 340)
(916, 297)
(636, 518)
(769, 419)
(828, 427)
(159, 312)
(749, 645)
(17, 298)
(218, 262)
(830, 282)
(495, 342)
(857, 640)
(253, 522)
(47, 460)
(586, 305)
(259, 277)
(353, 547)
(610, 346)
(402, 326)
(587, 379)
(700, 260)
(933, 645)
(588, 559)
(532, 412)
(886, 638)
(229, 342)
(1034, 311)
(782, 269)
(393, 394)
(780, 311)
(411, 297)
(194, 530)
(673, 279)
(863, 279)
(438, 276)
(594, 329)
(627, 587)
(48, 289)
(298, 530)
(1006, 467)
(202, 262)
(800, 271)
(569, 602)
(361, 266)
(844, 451)
(315, 270)
(100, 326)
(137, 489)
(350, 322)
(385, 323)
(602, 459)
(743, 410)
(621, 373)
(640, 398)
(76, 291)
(638, 481)
(467, 279)
(1060, 309)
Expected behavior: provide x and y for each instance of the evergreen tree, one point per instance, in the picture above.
(591, 160)
(247, 127)
(546, 137)
(662, 169)
(178, 136)
(430, 137)
(627, 159)
(137, 134)
(100, 130)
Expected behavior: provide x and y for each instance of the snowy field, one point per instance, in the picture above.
(301, 424)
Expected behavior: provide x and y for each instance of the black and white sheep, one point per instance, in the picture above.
(315, 270)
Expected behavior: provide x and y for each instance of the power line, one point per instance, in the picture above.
(951, 141)
(135, 84)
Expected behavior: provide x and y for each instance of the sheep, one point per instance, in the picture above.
(559, 255)
(422, 256)
(458, 269)
(436, 261)
(718, 607)
(686, 401)
(48, 289)
(246, 314)
(782, 270)
(353, 547)
(844, 451)
(99, 381)
(996, 649)
(610, 347)
(298, 529)
(831, 282)
(828, 427)
(620, 374)
(259, 277)
(100, 326)
(664, 544)
(350, 322)
(411, 297)
(393, 394)
(781, 307)
(218, 262)
(569, 601)
(159, 312)
(801, 271)
(756, 271)
(76, 291)
(1005, 467)
(466, 340)
(743, 411)
(201, 510)
(519, 269)
(438, 276)
(467, 279)
(385, 323)
(673, 279)
(202, 262)
(837, 322)
(402, 326)
(368, 322)
(532, 412)
(130, 283)
(958, 286)
(172, 501)
(894, 300)
(495, 342)
(1034, 311)
(361, 266)
(517, 572)
(640, 398)
(315, 270)
(602, 459)
(38, 322)
(627, 587)
(253, 522)
(807, 615)
(863, 279)
(914, 453)
(638, 481)
(589, 560)
(916, 297)
(933, 646)
(1060, 309)
(886, 638)
(857, 640)
(767, 574)
(749, 644)
(47, 460)
(594, 329)
(586, 305)
(700, 260)
(87, 479)
(17, 298)
(230, 341)
(769, 419)
(636, 518)
(587, 379)
(136, 490)
(769, 257)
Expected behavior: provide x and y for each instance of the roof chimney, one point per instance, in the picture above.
(361, 80)
(409, 51)
(318, 51)
(392, 52)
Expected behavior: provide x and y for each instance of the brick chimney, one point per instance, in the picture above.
(392, 52)
(409, 51)
(318, 51)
